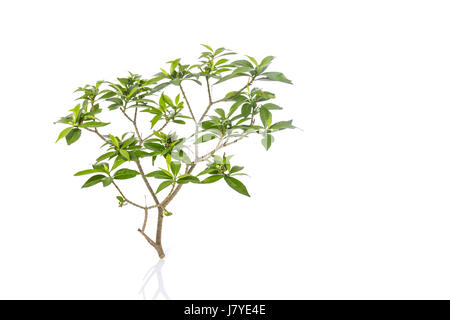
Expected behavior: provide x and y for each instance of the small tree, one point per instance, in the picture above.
(249, 112)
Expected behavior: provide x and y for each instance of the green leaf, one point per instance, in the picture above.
(127, 142)
(107, 181)
(275, 76)
(114, 140)
(182, 156)
(155, 120)
(236, 169)
(89, 171)
(132, 92)
(136, 154)
(230, 76)
(185, 178)
(267, 141)
(75, 113)
(264, 95)
(208, 47)
(205, 138)
(154, 146)
(93, 124)
(63, 133)
(167, 213)
(253, 60)
(101, 166)
(93, 180)
(173, 65)
(167, 100)
(271, 106)
(213, 178)
(242, 63)
(117, 162)
(237, 185)
(220, 112)
(282, 125)
(234, 107)
(125, 154)
(106, 156)
(164, 185)
(266, 116)
(246, 109)
(159, 174)
(266, 61)
(73, 135)
(122, 174)
(175, 167)
(108, 94)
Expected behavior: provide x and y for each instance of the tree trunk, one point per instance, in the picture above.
(160, 251)
(158, 246)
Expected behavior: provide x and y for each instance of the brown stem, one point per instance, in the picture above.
(177, 189)
(249, 83)
(133, 121)
(162, 127)
(97, 133)
(147, 184)
(160, 209)
(210, 100)
(158, 247)
(145, 219)
(159, 226)
(125, 198)
(187, 102)
(209, 90)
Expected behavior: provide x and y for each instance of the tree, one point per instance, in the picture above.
(249, 112)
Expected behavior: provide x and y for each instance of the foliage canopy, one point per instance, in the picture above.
(172, 158)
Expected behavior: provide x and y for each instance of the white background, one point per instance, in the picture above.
(355, 206)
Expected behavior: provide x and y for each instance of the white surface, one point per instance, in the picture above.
(356, 206)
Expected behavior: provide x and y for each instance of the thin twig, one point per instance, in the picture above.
(145, 220)
(177, 189)
(148, 238)
(210, 103)
(129, 201)
(218, 147)
(147, 184)
(209, 90)
(97, 133)
(249, 83)
(152, 134)
(187, 102)
(133, 121)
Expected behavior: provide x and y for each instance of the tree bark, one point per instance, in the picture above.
(160, 251)
(158, 247)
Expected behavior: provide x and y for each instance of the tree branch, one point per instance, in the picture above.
(147, 184)
(209, 90)
(249, 83)
(148, 238)
(97, 133)
(220, 146)
(152, 134)
(133, 121)
(187, 102)
(144, 224)
(177, 189)
(130, 202)
(210, 100)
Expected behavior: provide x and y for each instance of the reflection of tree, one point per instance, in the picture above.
(155, 270)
